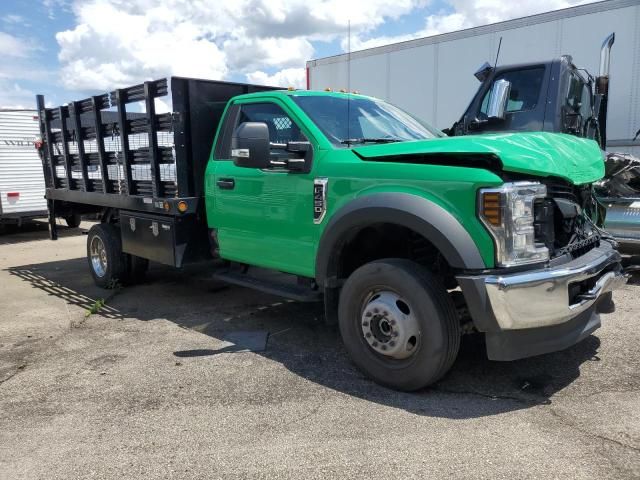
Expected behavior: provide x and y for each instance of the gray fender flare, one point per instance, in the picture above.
(417, 213)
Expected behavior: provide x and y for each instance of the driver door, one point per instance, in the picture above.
(264, 217)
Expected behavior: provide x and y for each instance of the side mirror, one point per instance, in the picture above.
(250, 146)
(498, 98)
(483, 72)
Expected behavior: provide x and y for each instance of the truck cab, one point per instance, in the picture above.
(553, 96)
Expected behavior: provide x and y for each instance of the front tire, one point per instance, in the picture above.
(104, 253)
(398, 324)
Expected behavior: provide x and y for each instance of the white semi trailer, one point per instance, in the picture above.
(433, 77)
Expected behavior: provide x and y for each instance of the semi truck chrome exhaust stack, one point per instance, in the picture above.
(602, 87)
(605, 55)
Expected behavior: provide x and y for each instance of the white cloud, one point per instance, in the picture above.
(113, 46)
(119, 42)
(13, 95)
(288, 77)
(245, 53)
(11, 46)
(482, 12)
(14, 19)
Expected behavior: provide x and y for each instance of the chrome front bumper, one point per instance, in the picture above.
(545, 297)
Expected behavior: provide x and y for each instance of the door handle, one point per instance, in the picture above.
(226, 183)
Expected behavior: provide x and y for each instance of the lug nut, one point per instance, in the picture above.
(375, 310)
(392, 322)
(375, 344)
(368, 334)
(384, 347)
(365, 324)
(368, 314)
(392, 343)
(395, 334)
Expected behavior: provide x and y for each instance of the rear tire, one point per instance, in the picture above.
(73, 221)
(399, 324)
(107, 263)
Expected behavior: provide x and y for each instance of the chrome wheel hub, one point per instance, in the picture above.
(390, 326)
(98, 256)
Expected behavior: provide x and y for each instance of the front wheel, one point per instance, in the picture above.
(398, 324)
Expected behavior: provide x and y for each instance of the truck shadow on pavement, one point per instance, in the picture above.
(34, 230)
(298, 340)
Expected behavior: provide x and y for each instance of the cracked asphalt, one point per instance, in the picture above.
(149, 388)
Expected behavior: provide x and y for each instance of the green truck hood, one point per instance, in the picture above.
(542, 154)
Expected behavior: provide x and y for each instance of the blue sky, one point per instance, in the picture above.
(69, 49)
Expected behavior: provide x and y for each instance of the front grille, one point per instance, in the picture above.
(558, 189)
(564, 230)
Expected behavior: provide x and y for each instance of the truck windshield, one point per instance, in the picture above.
(350, 120)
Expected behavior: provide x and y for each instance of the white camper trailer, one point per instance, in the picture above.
(21, 177)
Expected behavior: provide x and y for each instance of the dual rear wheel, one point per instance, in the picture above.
(109, 265)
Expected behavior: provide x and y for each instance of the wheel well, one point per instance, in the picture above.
(388, 240)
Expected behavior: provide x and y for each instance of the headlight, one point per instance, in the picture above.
(507, 212)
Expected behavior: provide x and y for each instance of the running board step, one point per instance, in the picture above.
(300, 293)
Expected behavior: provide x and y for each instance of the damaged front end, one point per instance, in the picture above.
(619, 194)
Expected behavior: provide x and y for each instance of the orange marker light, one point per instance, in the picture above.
(182, 206)
(491, 210)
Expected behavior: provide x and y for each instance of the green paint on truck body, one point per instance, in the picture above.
(267, 219)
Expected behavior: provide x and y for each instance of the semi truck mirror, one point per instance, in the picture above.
(483, 72)
(498, 98)
(250, 146)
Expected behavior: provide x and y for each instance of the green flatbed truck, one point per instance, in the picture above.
(410, 238)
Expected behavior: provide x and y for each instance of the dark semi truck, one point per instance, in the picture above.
(409, 237)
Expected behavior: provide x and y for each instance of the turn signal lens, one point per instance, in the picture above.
(166, 206)
(182, 206)
(491, 210)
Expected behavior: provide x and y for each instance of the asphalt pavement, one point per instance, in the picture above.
(185, 377)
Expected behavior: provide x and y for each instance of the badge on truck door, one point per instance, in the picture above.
(319, 199)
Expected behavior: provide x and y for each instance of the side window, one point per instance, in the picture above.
(282, 129)
(223, 147)
(525, 90)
